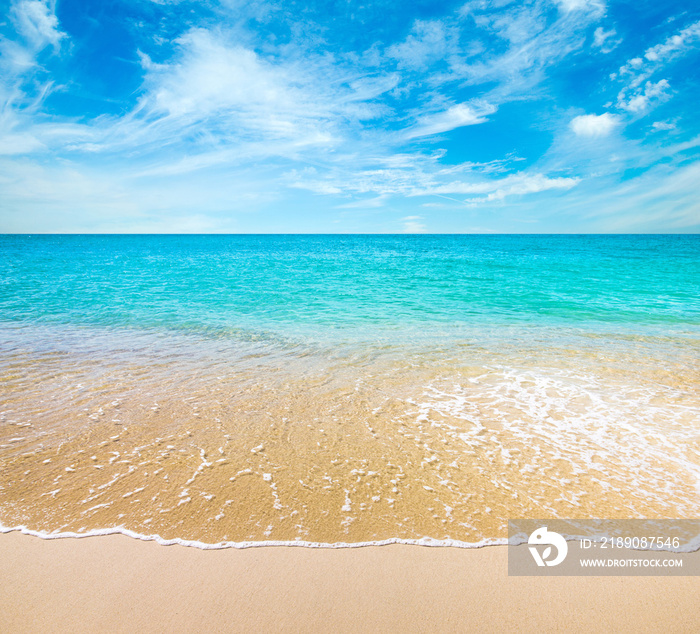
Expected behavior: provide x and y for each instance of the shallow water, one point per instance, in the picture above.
(346, 389)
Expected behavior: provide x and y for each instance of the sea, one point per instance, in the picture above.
(342, 390)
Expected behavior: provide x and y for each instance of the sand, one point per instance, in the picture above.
(120, 584)
(345, 451)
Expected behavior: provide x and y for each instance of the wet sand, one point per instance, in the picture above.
(344, 451)
(119, 584)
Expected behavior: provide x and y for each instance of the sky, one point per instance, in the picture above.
(490, 116)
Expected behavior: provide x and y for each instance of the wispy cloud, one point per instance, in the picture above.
(661, 200)
(663, 125)
(24, 85)
(37, 23)
(230, 94)
(595, 6)
(457, 116)
(412, 224)
(605, 40)
(497, 190)
(428, 42)
(533, 43)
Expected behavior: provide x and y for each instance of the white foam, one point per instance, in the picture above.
(692, 546)
(134, 492)
(423, 541)
(347, 506)
(613, 431)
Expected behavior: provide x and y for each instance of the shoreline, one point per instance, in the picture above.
(430, 542)
(115, 583)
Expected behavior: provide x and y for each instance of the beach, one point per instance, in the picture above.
(217, 390)
(349, 317)
(119, 584)
(267, 432)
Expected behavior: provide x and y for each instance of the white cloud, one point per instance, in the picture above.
(211, 76)
(21, 133)
(317, 186)
(36, 27)
(605, 40)
(595, 126)
(364, 203)
(677, 148)
(533, 43)
(420, 176)
(663, 199)
(216, 94)
(427, 42)
(514, 185)
(517, 26)
(217, 101)
(600, 35)
(411, 224)
(15, 59)
(641, 100)
(532, 184)
(638, 70)
(597, 6)
(67, 197)
(24, 85)
(230, 90)
(675, 44)
(19, 144)
(37, 22)
(663, 125)
(458, 116)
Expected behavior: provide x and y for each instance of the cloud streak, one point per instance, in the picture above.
(457, 116)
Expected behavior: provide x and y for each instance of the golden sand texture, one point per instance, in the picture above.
(118, 584)
(321, 450)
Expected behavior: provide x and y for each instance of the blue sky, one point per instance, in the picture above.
(561, 116)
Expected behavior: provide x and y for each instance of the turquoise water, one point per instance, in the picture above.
(357, 288)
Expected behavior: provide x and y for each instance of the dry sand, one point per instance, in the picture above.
(119, 584)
